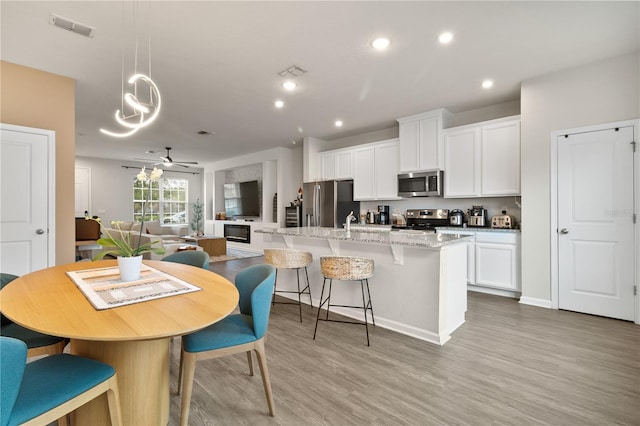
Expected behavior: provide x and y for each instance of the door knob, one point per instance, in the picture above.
(39, 231)
(564, 231)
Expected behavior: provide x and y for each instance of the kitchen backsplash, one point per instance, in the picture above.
(494, 205)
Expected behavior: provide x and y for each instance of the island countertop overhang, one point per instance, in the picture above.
(408, 239)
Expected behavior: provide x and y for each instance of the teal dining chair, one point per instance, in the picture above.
(189, 257)
(243, 332)
(37, 343)
(47, 389)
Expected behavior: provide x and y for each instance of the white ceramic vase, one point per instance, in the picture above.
(129, 267)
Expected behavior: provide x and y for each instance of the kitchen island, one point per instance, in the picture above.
(419, 286)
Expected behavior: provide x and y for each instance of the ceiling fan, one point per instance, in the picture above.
(167, 161)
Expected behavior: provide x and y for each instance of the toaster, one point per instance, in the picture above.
(502, 221)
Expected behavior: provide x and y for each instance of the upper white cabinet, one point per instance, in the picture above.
(501, 159)
(462, 166)
(337, 164)
(483, 159)
(421, 141)
(328, 165)
(375, 168)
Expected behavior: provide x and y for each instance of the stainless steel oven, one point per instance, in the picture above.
(420, 184)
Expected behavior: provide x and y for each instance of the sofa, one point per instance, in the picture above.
(167, 237)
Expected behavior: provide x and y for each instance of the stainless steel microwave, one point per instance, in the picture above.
(420, 184)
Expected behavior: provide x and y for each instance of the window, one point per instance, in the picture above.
(167, 201)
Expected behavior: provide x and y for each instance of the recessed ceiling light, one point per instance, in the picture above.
(338, 123)
(445, 37)
(487, 84)
(381, 43)
(293, 142)
(278, 103)
(289, 85)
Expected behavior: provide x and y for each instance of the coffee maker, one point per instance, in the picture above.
(384, 217)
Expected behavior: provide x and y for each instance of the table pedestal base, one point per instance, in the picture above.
(143, 381)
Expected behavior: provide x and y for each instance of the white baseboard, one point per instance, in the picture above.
(494, 291)
(541, 303)
(405, 329)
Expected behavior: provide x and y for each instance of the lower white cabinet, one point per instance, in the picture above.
(497, 260)
(493, 258)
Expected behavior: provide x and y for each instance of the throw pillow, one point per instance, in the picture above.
(154, 227)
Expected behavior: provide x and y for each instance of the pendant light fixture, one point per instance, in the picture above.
(138, 108)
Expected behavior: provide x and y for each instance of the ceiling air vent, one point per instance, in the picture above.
(292, 72)
(69, 25)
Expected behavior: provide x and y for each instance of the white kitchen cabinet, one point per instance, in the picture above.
(501, 159)
(483, 159)
(421, 143)
(375, 171)
(344, 166)
(497, 260)
(462, 166)
(328, 165)
(336, 164)
(492, 258)
(363, 174)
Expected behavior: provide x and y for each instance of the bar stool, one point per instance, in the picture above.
(345, 268)
(290, 259)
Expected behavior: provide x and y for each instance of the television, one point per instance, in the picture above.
(242, 199)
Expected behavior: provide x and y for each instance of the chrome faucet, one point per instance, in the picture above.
(350, 218)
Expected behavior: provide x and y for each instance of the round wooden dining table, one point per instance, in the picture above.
(134, 339)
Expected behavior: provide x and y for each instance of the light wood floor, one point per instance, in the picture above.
(509, 364)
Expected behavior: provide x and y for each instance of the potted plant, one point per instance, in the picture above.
(129, 257)
(196, 221)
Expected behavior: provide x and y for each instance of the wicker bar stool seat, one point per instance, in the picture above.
(346, 268)
(290, 259)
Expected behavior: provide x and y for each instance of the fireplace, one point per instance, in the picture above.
(238, 233)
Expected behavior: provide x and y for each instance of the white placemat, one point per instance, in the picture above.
(104, 289)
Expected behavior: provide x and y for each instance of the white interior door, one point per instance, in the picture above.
(83, 191)
(595, 223)
(26, 237)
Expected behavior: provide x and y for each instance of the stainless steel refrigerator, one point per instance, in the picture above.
(328, 203)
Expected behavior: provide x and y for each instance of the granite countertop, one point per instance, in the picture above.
(398, 238)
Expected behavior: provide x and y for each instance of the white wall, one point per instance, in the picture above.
(602, 92)
(288, 173)
(111, 186)
(505, 109)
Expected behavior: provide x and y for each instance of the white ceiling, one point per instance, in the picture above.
(217, 63)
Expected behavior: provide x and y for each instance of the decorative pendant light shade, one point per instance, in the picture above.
(136, 112)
